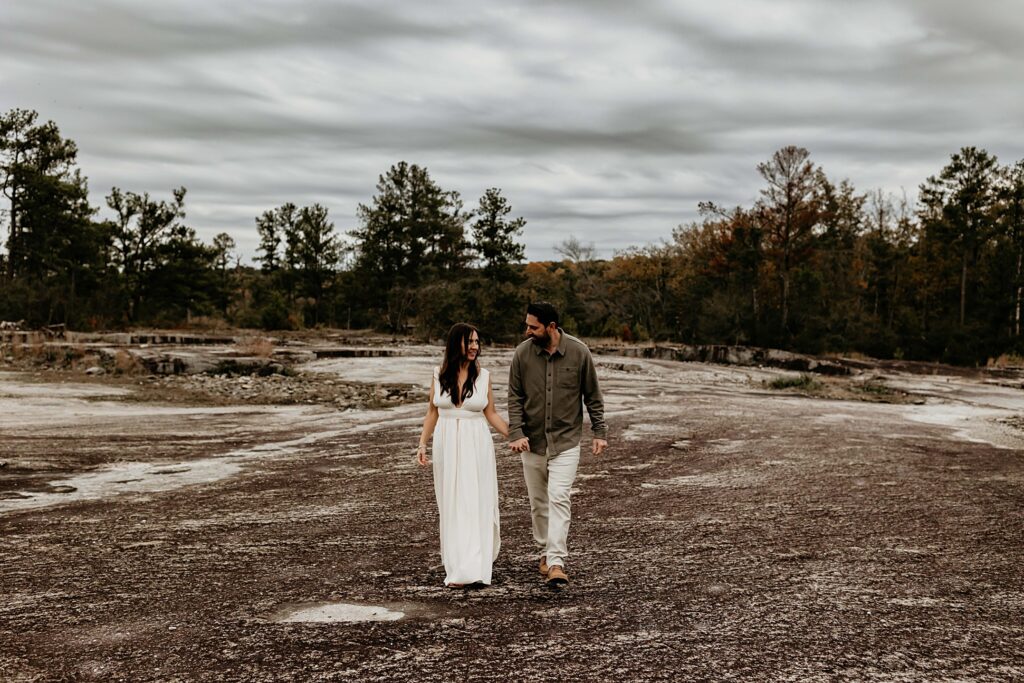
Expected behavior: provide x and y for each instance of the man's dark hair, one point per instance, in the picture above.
(544, 312)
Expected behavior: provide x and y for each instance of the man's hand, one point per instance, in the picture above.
(520, 445)
(598, 446)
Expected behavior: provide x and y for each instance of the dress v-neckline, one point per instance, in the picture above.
(458, 389)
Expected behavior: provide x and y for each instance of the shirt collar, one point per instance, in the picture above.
(561, 345)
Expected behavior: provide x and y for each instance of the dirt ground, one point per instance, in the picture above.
(732, 532)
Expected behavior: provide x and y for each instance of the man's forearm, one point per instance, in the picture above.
(516, 399)
(515, 420)
(595, 408)
(593, 400)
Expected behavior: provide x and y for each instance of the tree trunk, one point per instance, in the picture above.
(754, 302)
(963, 290)
(1020, 294)
(13, 237)
(894, 295)
(70, 304)
(785, 302)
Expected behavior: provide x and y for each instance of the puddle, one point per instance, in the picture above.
(129, 477)
(335, 612)
(142, 477)
(417, 367)
(14, 387)
(338, 612)
(969, 423)
(49, 410)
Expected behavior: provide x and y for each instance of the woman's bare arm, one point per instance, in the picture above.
(429, 422)
(491, 413)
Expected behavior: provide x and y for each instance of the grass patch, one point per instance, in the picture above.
(804, 381)
(1006, 360)
(126, 363)
(876, 389)
(260, 347)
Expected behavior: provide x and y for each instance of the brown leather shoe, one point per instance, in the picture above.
(543, 565)
(557, 576)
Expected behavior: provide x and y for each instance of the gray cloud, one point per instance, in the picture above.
(605, 120)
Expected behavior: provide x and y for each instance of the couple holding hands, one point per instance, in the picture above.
(551, 378)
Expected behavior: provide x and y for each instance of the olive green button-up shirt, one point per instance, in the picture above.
(546, 394)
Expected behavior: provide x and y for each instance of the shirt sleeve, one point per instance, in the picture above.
(592, 398)
(516, 400)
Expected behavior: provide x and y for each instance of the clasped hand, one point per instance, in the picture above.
(517, 446)
(523, 446)
(520, 445)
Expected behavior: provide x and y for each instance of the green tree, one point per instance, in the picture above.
(638, 287)
(587, 299)
(272, 226)
(883, 253)
(280, 247)
(731, 254)
(52, 245)
(834, 314)
(223, 246)
(494, 237)
(789, 210)
(181, 279)
(958, 209)
(412, 233)
(317, 253)
(1011, 224)
(139, 228)
(491, 295)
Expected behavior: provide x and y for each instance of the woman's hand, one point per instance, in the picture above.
(421, 455)
(520, 445)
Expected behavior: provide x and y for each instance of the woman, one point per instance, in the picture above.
(465, 479)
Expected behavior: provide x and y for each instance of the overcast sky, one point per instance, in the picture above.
(601, 119)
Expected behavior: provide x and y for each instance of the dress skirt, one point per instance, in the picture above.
(466, 486)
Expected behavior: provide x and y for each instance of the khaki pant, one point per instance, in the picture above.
(548, 480)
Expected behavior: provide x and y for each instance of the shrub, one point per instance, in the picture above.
(804, 381)
(1006, 360)
(126, 364)
(261, 347)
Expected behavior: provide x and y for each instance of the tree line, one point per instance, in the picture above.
(812, 265)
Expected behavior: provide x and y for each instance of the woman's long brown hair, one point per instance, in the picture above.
(448, 377)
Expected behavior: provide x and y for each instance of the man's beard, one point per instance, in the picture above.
(542, 342)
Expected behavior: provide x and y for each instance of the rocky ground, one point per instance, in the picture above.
(746, 524)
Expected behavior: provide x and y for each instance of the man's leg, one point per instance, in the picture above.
(535, 471)
(561, 475)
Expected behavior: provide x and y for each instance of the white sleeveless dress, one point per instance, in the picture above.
(466, 486)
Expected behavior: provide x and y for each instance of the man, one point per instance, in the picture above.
(551, 376)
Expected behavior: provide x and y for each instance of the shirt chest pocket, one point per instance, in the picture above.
(568, 377)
